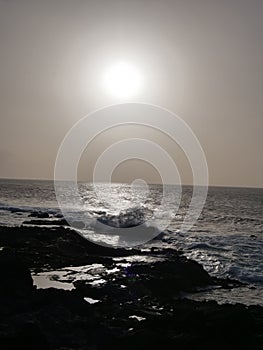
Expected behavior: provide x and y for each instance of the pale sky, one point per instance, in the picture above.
(201, 59)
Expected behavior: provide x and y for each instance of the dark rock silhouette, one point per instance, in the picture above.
(16, 279)
(39, 222)
(140, 306)
(38, 214)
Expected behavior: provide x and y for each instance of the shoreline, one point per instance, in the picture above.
(121, 298)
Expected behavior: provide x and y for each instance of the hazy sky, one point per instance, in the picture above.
(202, 59)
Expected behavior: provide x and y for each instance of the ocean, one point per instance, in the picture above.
(227, 239)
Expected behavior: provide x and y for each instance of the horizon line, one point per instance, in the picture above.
(118, 182)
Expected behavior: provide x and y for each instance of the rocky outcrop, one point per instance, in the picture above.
(54, 247)
(139, 306)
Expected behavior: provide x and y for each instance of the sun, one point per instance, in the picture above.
(122, 80)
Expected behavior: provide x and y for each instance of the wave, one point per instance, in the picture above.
(250, 276)
(237, 219)
(27, 209)
(205, 246)
(126, 218)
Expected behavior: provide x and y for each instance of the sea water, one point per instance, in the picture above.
(227, 239)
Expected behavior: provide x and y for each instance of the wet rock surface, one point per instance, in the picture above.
(121, 299)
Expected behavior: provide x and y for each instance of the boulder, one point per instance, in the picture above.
(15, 277)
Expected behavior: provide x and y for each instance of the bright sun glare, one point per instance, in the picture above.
(122, 80)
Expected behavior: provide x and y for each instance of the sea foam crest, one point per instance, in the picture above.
(126, 218)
